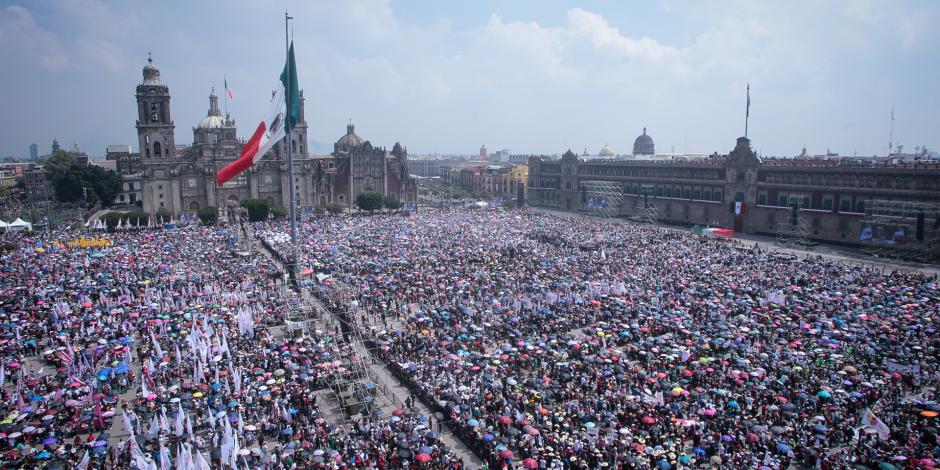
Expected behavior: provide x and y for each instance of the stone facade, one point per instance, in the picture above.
(705, 192)
(181, 179)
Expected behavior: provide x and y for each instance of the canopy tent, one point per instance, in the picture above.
(19, 225)
(3, 225)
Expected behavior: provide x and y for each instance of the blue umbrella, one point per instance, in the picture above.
(783, 447)
(734, 404)
(698, 451)
(663, 464)
(472, 423)
(488, 437)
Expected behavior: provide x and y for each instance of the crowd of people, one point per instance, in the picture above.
(162, 349)
(553, 342)
(540, 341)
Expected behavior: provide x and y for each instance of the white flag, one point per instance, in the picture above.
(869, 419)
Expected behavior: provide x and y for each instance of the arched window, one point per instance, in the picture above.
(156, 149)
(194, 206)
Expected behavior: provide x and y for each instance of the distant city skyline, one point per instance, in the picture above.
(534, 77)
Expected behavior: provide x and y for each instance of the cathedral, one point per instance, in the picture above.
(181, 179)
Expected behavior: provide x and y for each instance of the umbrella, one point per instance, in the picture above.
(783, 447)
(423, 457)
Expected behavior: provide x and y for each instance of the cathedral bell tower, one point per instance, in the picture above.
(154, 125)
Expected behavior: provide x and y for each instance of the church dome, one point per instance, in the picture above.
(348, 141)
(643, 145)
(151, 73)
(211, 122)
(606, 151)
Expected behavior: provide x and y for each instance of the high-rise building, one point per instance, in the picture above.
(33, 152)
(55, 146)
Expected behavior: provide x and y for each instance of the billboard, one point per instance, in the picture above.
(883, 234)
(595, 202)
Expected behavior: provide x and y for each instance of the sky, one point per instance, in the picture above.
(532, 76)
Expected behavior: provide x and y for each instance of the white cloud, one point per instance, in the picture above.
(22, 38)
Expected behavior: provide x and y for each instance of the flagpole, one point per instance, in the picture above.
(290, 157)
(747, 109)
(225, 92)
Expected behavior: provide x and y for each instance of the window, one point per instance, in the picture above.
(827, 204)
(860, 206)
(159, 186)
(845, 205)
(707, 195)
(761, 199)
(191, 182)
(782, 200)
(718, 196)
(156, 149)
(697, 194)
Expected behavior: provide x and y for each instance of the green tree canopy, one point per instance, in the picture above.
(278, 212)
(208, 215)
(369, 201)
(73, 181)
(391, 202)
(258, 209)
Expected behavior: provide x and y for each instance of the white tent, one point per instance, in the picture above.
(3, 225)
(19, 225)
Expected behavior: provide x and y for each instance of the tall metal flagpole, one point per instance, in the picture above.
(290, 157)
(747, 109)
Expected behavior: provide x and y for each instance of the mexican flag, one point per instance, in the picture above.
(274, 127)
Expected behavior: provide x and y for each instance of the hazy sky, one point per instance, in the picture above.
(535, 76)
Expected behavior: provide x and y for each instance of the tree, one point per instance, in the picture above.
(163, 214)
(68, 188)
(106, 183)
(72, 181)
(111, 218)
(208, 215)
(369, 201)
(258, 209)
(391, 202)
(278, 212)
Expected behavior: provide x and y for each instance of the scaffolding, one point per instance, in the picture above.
(648, 214)
(904, 230)
(359, 390)
(794, 233)
(602, 198)
(238, 222)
